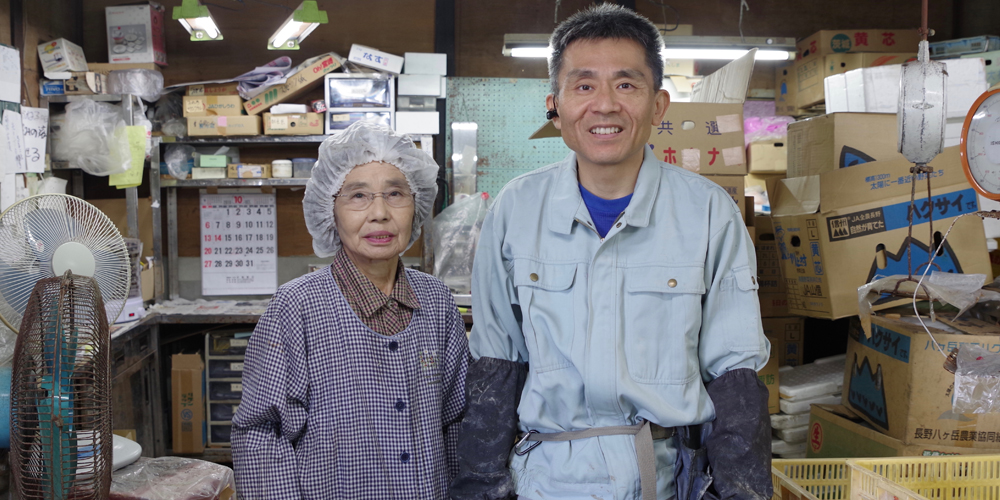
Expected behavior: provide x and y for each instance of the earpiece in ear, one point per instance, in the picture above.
(550, 114)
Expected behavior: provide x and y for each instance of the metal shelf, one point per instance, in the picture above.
(247, 140)
(233, 183)
(73, 98)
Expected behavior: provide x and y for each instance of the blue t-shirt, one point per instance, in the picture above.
(604, 212)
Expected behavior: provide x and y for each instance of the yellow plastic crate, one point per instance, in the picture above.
(965, 477)
(810, 479)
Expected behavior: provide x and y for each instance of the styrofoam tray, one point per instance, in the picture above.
(794, 435)
(795, 407)
(825, 376)
(779, 447)
(783, 421)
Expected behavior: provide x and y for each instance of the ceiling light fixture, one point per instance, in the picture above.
(197, 20)
(676, 47)
(306, 18)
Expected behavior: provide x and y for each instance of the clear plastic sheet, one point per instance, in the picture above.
(172, 478)
(145, 83)
(92, 137)
(960, 290)
(179, 159)
(977, 380)
(455, 235)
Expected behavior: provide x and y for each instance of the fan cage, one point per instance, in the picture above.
(61, 440)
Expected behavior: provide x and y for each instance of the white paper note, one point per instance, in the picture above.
(14, 142)
(35, 122)
(10, 75)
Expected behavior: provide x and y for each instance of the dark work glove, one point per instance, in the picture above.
(492, 392)
(739, 445)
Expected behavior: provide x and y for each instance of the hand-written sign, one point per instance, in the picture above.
(35, 122)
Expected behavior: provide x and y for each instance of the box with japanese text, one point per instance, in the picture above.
(308, 76)
(375, 59)
(829, 142)
(769, 376)
(810, 73)
(734, 185)
(61, 55)
(223, 125)
(216, 105)
(773, 305)
(705, 138)
(769, 271)
(187, 373)
(837, 432)
(839, 41)
(786, 339)
(785, 87)
(293, 124)
(896, 381)
(838, 230)
(231, 88)
(135, 33)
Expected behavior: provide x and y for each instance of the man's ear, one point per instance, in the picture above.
(660, 104)
(550, 104)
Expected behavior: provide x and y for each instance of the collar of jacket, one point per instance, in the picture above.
(567, 205)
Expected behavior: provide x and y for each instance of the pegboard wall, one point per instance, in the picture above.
(508, 111)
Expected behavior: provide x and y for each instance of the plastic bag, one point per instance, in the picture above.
(92, 137)
(145, 83)
(8, 338)
(179, 160)
(172, 478)
(455, 235)
(765, 128)
(977, 380)
(960, 290)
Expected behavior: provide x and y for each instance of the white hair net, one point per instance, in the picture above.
(359, 144)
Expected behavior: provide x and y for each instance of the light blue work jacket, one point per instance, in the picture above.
(614, 330)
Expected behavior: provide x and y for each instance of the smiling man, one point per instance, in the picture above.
(616, 325)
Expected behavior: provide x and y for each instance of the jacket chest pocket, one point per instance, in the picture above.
(546, 293)
(662, 322)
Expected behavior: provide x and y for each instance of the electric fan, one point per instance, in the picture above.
(61, 260)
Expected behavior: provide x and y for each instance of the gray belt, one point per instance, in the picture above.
(644, 434)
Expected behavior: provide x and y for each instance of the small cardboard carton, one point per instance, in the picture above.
(837, 432)
(61, 55)
(105, 68)
(810, 73)
(826, 42)
(135, 33)
(826, 143)
(231, 88)
(767, 157)
(218, 105)
(294, 124)
(837, 230)
(773, 305)
(785, 86)
(187, 373)
(375, 59)
(769, 376)
(786, 339)
(705, 138)
(896, 381)
(735, 186)
(85, 83)
(309, 75)
(223, 125)
(248, 171)
(769, 269)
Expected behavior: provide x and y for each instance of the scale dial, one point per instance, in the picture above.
(980, 147)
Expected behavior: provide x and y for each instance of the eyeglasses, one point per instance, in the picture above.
(361, 200)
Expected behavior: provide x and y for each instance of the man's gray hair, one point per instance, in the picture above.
(607, 21)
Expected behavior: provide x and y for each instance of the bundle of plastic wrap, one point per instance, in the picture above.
(145, 83)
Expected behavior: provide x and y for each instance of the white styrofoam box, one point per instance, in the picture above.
(781, 421)
(854, 87)
(373, 58)
(779, 447)
(423, 63)
(992, 62)
(966, 82)
(794, 407)
(825, 376)
(61, 55)
(881, 88)
(835, 89)
(420, 85)
(418, 122)
(793, 435)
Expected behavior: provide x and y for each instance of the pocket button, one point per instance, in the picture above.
(533, 277)
(672, 283)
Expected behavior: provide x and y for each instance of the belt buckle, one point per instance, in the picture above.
(524, 439)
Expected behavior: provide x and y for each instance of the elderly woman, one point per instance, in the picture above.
(354, 377)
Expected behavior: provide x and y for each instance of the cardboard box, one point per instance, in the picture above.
(223, 125)
(786, 339)
(705, 138)
(835, 230)
(303, 80)
(418, 122)
(895, 380)
(810, 73)
(187, 373)
(769, 269)
(773, 305)
(785, 91)
(423, 63)
(735, 186)
(231, 88)
(135, 33)
(219, 105)
(219, 161)
(837, 432)
(248, 171)
(840, 41)
(294, 124)
(767, 157)
(85, 83)
(680, 67)
(61, 55)
(105, 68)
(769, 376)
(828, 142)
(376, 59)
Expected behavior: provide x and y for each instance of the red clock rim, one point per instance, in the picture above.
(963, 144)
